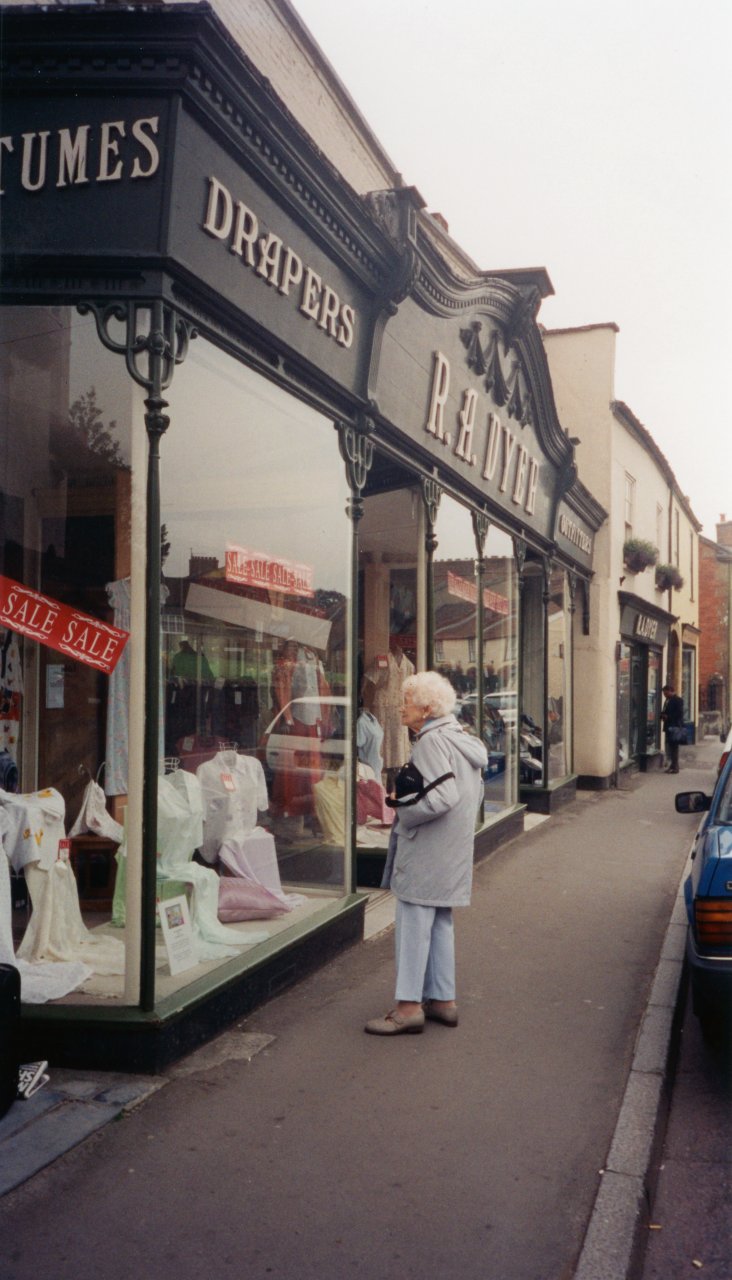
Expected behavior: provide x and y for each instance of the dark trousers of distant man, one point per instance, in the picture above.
(672, 752)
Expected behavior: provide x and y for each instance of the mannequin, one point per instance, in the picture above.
(299, 685)
(386, 677)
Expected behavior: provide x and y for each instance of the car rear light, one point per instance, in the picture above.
(713, 921)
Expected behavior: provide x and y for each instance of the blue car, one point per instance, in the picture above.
(708, 895)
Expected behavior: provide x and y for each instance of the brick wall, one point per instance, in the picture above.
(714, 616)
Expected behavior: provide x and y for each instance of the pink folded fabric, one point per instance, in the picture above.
(243, 900)
(371, 802)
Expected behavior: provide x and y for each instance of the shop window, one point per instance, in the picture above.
(254, 661)
(559, 671)
(501, 722)
(653, 700)
(532, 745)
(71, 422)
(392, 615)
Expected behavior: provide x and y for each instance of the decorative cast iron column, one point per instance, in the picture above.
(431, 494)
(357, 450)
(154, 339)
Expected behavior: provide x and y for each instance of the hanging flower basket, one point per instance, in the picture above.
(639, 555)
(667, 576)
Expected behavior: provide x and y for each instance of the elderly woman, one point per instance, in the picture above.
(429, 867)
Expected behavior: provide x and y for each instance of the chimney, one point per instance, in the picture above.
(440, 217)
(724, 531)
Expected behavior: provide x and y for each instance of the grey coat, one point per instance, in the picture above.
(430, 858)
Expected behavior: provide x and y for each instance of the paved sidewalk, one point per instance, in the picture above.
(538, 964)
(71, 1107)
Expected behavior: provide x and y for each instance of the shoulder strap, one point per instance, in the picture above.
(418, 795)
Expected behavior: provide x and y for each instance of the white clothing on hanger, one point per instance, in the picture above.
(234, 791)
(35, 826)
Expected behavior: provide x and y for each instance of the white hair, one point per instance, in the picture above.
(432, 691)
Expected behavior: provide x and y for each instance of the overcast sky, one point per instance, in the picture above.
(593, 139)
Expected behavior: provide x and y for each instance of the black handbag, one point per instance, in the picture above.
(410, 786)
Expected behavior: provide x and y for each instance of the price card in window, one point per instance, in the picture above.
(228, 782)
(178, 937)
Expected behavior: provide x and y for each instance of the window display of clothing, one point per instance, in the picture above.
(180, 815)
(369, 739)
(56, 931)
(387, 677)
(38, 982)
(299, 684)
(94, 818)
(11, 692)
(234, 791)
(180, 833)
(35, 826)
(330, 809)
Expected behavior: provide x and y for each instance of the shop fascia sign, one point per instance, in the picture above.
(272, 573)
(263, 252)
(645, 628)
(574, 533)
(479, 440)
(111, 151)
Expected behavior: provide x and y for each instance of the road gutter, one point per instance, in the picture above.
(617, 1223)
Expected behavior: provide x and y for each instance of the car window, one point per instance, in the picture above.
(724, 809)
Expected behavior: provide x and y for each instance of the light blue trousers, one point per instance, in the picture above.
(425, 952)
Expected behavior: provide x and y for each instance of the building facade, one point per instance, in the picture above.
(715, 602)
(645, 592)
(271, 443)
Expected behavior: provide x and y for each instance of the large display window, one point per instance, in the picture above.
(559, 676)
(500, 641)
(391, 647)
(254, 792)
(470, 631)
(73, 437)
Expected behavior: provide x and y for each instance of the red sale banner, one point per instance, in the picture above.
(56, 625)
(254, 569)
(465, 590)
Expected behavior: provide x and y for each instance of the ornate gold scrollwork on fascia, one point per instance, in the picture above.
(481, 525)
(486, 361)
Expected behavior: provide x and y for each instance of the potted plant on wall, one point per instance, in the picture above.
(668, 576)
(639, 555)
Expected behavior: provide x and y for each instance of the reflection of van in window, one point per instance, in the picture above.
(284, 749)
(502, 702)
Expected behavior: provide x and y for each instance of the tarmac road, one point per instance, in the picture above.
(295, 1146)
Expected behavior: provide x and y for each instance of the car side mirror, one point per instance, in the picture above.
(692, 802)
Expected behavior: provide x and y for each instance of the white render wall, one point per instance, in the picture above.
(582, 366)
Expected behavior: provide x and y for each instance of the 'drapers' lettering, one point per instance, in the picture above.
(108, 152)
(276, 263)
(505, 460)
